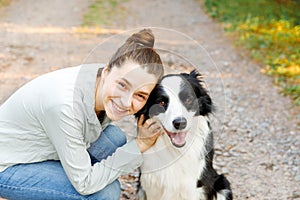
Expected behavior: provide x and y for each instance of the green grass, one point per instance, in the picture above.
(4, 3)
(270, 31)
(103, 12)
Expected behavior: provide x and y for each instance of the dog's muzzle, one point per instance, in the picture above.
(179, 123)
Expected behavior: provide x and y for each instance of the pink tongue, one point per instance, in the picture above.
(178, 139)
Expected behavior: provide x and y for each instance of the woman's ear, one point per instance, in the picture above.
(105, 72)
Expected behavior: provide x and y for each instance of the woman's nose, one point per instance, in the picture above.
(126, 100)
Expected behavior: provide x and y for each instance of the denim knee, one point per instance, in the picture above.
(110, 192)
(110, 139)
(115, 135)
(36, 181)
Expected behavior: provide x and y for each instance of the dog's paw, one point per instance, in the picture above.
(224, 195)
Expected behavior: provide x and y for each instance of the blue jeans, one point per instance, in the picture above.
(47, 180)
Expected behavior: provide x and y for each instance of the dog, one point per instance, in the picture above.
(179, 166)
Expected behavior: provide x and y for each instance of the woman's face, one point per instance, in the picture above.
(124, 90)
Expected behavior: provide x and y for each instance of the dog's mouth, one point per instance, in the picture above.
(177, 138)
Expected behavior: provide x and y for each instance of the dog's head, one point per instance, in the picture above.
(175, 100)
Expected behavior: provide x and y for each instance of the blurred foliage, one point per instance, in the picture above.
(102, 12)
(4, 2)
(270, 30)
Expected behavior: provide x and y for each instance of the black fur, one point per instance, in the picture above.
(152, 107)
(211, 181)
(204, 100)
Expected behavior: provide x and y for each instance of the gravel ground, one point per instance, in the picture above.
(257, 129)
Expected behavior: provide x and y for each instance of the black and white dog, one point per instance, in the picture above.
(180, 164)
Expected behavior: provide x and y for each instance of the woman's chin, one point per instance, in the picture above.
(115, 116)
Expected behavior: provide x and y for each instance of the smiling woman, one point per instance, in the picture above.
(58, 123)
(123, 91)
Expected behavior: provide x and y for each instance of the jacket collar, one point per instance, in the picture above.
(85, 91)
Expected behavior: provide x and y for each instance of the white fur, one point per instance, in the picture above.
(221, 195)
(171, 173)
(175, 107)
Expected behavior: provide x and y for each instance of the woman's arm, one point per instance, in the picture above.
(66, 135)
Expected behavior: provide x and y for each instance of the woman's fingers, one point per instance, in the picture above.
(150, 128)
(155, 127)
(148, 133)
(152, 124)
(140, 121)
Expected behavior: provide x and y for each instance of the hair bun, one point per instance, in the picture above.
(144, 37)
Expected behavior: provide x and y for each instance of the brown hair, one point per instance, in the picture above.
(139, 48)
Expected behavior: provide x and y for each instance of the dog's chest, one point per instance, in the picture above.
(170, 173)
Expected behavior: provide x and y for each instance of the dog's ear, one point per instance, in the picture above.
(205, 105)
(204, 101)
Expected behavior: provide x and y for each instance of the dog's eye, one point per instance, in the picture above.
(188, 101)
(162, 104)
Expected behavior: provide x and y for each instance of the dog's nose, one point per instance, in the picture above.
(179, 123)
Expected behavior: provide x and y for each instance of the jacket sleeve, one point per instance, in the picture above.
(66, 135)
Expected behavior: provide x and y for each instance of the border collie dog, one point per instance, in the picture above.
(180, 164)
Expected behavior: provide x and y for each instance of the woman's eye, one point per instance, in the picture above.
(122, 85)
(141, 97)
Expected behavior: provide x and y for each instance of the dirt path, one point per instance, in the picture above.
(35, 38)
(258, 140)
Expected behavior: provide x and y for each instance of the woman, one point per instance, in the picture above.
(52, 139)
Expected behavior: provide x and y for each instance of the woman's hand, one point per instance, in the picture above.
(148, 133)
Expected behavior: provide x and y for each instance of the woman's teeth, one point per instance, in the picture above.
(119, 108)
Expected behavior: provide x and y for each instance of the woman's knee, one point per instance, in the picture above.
(115, 135)
(110, 139)
(110, 192)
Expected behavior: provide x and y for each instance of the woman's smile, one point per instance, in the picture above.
(119, 109)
